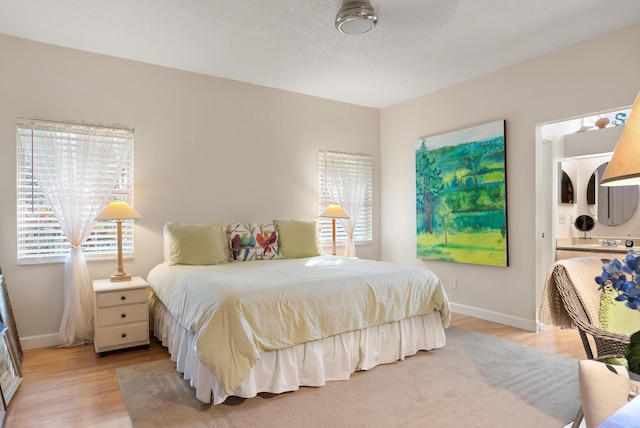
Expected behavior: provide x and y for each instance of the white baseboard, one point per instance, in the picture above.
(42, 341)
(525, 324)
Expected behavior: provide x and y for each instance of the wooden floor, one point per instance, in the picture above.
(76, 388)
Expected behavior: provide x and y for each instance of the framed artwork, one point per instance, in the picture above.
(10, 369)
(461, 196)
(3, 410)
(7, 318)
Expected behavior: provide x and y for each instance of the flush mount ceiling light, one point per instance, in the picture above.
(356, 17)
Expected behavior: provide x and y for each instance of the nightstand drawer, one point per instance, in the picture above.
(121, 314)
(113, 298)
(123, 334)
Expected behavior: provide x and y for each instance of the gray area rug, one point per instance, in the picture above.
(475, 381)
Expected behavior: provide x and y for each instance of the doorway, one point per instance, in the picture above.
(552, 215)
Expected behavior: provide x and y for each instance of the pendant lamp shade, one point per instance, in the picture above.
(624, 166)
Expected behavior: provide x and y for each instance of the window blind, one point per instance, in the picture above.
(348, 165)
(40, 236)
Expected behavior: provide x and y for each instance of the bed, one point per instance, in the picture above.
(238, 329)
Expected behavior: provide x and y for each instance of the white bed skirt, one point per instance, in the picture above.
(308, 364)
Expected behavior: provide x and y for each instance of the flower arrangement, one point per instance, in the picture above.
(614, 274)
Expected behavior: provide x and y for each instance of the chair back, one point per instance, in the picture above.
(578, 279)
(572, 297)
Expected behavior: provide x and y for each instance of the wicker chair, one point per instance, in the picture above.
(580, 307)
(604, 344)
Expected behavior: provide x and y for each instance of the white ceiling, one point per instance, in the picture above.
(418, 46)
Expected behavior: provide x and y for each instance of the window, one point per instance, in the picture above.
(40, 235)
(346, 178)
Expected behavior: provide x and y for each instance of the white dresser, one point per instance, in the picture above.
(121, 314)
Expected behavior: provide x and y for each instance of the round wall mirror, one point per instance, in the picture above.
(584, 223)
(611, 206)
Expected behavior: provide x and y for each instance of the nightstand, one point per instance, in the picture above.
(120, 314)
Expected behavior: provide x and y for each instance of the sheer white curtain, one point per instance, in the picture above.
(76, 168)
(347, 184)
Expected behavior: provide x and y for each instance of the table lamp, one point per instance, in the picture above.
(333, 212)
(624, 166)
(118, 211)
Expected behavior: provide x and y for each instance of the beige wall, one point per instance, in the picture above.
(209, 149)
(205, 149)
(598, 75)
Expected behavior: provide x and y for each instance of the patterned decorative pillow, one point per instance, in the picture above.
(268, 239)
(253, 242)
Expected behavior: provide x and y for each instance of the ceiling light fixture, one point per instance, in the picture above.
(356, 17)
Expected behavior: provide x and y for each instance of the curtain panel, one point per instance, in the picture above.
(348, 181)
(76, 167)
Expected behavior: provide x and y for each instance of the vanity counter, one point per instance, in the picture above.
(605, 248)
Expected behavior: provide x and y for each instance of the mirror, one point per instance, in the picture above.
(611, 206)
(566, 189)
(584, 223)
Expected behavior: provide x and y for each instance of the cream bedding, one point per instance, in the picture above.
(239, 310)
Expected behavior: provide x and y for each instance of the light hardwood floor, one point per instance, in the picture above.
(77, 388)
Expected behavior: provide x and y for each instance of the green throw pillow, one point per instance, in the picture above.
(297, 238)
(197, 244)
(615, 317)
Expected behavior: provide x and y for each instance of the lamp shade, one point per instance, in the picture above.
(118, 210)
(624, 166)
(334, 211)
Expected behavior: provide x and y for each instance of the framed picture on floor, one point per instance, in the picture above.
(7, 318)
(3, 410)
(10, 369)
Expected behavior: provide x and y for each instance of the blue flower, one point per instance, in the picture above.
(615, 273)
(612, 274)
(632, 261)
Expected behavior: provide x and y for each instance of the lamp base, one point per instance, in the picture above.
(116, 277)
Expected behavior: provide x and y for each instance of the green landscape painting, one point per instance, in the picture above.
(461, 196)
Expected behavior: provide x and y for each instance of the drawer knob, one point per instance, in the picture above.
(124, 334)
(123, 298)
(123, 315)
